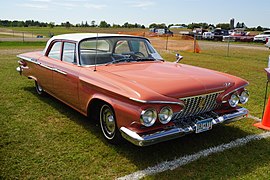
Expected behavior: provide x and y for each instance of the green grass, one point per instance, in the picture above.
(46, 31)
(41, 138)
(16, 45)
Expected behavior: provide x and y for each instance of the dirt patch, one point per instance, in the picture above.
(17, 51)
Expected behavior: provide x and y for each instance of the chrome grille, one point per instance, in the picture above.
(198, 104)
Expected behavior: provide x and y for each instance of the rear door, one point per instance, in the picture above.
(46, 66)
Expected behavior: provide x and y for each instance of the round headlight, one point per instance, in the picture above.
(148, 117)
(244, 97)
(234, 100)
(165, 115)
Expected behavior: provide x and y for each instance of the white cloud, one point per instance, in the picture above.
(140, 4)
(66, 4)
(35, 6)
(41, 0)
(95, 6)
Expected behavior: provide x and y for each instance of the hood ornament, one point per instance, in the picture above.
(178, 58)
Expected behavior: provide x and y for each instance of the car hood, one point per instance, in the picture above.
(170, 79)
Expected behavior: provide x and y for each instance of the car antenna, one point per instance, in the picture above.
(96, 53)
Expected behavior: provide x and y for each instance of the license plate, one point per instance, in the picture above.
(204, 125)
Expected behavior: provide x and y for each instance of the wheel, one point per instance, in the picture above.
(39, 89)
(108, 124)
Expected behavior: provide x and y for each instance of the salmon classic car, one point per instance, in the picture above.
(124, 83)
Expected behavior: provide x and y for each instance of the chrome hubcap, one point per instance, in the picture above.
(39, 87)
(107, 121)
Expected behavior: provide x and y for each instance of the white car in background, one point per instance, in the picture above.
(262, 37)
(208, 35)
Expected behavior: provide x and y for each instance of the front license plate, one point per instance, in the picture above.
(204, 125)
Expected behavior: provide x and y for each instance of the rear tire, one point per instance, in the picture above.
(108, 124)
(39, 89)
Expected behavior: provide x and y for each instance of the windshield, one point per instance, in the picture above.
(116, 49)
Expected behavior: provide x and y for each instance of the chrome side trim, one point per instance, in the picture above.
(157, 102)
(33, 60)
(45, 66)
(233, 91)
(175, 132)
(59, 71)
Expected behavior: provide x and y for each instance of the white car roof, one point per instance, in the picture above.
(80, 36)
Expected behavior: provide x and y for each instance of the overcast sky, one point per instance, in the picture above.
(252, 13)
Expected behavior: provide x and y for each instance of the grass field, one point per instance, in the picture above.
(41, 138)
(46, 31)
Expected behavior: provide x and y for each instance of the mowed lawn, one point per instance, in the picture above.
(41, 138)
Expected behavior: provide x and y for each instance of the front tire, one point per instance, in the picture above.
(108, 124)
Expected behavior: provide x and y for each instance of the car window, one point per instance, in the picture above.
(55, 51)
(122, 47)
(69, 53)
(93, 45)
(95, 52)
(125, 46)
(139, 46)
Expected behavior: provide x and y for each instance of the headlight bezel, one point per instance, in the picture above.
(154, 118)
(170, 115)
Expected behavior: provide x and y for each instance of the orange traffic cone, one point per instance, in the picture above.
(265, 124)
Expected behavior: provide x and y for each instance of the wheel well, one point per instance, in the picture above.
(93, 108)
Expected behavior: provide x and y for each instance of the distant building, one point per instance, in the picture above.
(232, 23)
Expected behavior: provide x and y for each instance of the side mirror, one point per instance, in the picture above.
(178, 58)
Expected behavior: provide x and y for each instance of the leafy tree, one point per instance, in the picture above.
(259, 28)
(93, 23)
(104, 24)
(198, 25)
(240, 25)
(51, 24)
(154, 25)
(223, 26)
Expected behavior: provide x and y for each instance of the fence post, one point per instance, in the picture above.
(23, 36)
(167, 42)
(195, 35)
(228, 47)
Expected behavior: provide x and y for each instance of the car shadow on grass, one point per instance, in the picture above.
(143, 157)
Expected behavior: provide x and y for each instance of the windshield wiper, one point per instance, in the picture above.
(145, 59)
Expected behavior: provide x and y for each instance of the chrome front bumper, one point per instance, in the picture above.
(175, 132)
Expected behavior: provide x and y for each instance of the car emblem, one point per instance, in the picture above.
(202, 102)
(227, 84)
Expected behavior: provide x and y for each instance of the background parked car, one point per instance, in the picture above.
(239, 36)
(208, 35)
(262, 37)
(219, 33)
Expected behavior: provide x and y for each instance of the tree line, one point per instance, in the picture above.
(104, 24)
